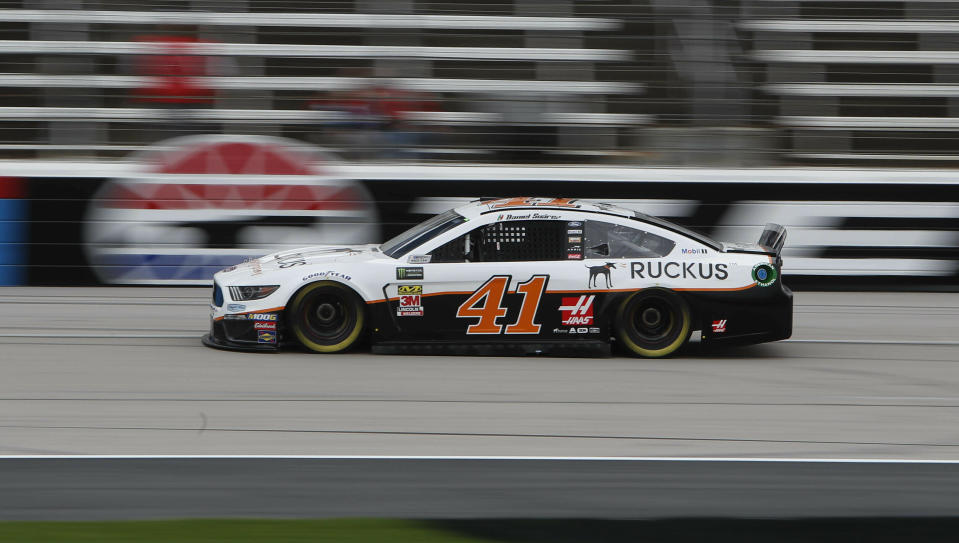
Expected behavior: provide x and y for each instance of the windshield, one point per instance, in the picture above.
(678, 229)
(421, 233)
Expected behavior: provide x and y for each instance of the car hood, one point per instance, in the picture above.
(292, 259)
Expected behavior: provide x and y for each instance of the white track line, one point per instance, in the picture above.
(197, 334)
(873, 341)
(415, 457)
(117, 335)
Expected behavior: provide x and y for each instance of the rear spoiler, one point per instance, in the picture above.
(773, 238)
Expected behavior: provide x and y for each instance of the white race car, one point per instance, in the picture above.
(517, 275)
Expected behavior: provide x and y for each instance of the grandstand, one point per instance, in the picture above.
(860, 82)
(698, 82)
(501, 76)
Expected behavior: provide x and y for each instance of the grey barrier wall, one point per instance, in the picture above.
(848, 228)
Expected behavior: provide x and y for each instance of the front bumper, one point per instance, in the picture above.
(245, 335)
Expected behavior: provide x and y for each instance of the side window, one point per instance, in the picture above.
(507, 241)
(459, 249)
(608, 240)
(513, 241)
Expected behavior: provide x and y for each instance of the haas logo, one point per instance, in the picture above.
(577, 311)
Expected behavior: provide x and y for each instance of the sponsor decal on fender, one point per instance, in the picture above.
(290, 260)
(264, 325)
(409, 273)
(577, 311)
(719, 326)
(317, 275)
(262, 317)
(676, 270)
(410, 302)
(235, 307)
(265, 336)
(694, 251)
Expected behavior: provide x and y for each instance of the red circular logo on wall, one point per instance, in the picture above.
(203, 203)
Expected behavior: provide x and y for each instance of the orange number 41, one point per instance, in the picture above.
(486, 304)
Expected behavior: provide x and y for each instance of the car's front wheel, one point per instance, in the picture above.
(326, 317)
(653, 322)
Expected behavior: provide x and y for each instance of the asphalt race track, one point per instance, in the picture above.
(121, 371)
(97, 488)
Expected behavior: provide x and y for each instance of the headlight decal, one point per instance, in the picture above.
(247, 293)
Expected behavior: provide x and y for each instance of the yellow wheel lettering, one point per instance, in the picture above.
(623, 335)
(319, 347)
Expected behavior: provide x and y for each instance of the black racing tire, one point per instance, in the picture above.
(326, 316)
(653, 323)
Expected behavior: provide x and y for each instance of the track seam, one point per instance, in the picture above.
(461, 434)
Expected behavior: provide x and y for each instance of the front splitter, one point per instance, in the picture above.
(211, 341)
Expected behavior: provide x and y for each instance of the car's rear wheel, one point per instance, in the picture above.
(326, 317)
(653, 323)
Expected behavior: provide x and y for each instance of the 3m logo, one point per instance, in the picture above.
(577, 311)
(410, 301)
(719, 326)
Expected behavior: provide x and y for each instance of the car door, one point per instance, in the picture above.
(488, 285)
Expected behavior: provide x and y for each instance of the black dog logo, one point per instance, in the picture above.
(595, 271)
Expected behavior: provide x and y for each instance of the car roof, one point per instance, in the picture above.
(479, 207)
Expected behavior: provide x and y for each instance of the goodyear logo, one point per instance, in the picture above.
(410, 289)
